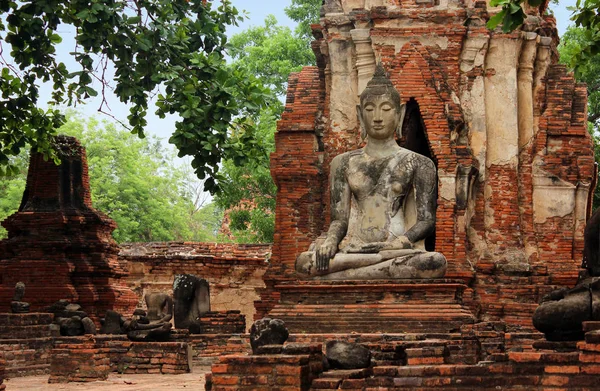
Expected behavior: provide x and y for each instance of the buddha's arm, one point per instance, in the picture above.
(340, 212)
(425, 182)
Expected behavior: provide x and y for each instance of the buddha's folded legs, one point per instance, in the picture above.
(407, 264)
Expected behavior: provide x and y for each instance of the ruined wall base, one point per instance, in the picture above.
(483, 356)
(372, 306)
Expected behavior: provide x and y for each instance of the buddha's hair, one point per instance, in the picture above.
(380, 84)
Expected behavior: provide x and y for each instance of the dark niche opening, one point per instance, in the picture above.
(414, 138)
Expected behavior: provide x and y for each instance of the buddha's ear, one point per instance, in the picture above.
(363, 130)
(401, 113)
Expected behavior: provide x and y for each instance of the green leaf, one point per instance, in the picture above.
(496, 19)
(55, 38)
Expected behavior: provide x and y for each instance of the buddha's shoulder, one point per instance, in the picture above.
(415, 159)
(343, 158)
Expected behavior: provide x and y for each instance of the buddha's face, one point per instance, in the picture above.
(380, 116)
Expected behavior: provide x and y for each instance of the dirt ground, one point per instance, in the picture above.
(189, 381)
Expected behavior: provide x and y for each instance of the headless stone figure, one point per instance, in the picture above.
(154, 325)
(383, 202)
(160, 306)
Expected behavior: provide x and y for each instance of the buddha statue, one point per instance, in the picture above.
(383, 202)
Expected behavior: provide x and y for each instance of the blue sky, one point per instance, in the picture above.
(257, 11)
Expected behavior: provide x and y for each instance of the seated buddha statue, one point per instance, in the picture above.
(383, 202)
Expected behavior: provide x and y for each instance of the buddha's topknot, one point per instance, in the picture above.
(380, 84)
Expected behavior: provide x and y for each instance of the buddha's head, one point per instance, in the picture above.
(381, 110)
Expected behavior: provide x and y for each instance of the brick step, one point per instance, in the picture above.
(515, 371)
(365, 323)
(333, 378)
(397, 325)
(381, 308)
(28, 370)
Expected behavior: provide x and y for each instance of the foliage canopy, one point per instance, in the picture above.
(174, 49)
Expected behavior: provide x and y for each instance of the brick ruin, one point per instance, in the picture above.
(58, 244)
(62, 248)
(504, 123)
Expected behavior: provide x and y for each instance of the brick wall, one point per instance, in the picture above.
(78, 360)
(26, 341)
(92, 358)
(225, 322)
(207, 348)
(2, 368)
(292, 370)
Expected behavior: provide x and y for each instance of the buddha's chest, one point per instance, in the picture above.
(389, 177)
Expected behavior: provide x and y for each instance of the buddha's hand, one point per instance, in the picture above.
(325, 252)
(399, 243)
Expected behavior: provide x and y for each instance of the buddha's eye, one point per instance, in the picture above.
(369, 108)
(386, 107)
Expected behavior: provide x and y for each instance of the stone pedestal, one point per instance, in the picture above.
(372, 306)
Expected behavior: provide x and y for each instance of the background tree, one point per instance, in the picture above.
(571, 44)
(135, 181)
(173, 49)
(12, 187)
(270, 52)
(305, 13)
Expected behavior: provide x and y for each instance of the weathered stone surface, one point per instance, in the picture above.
(192, 298)
(19, 307)
(73, 307)
(63, 309)
(160, 306)
(347, 355)
(71, 327)
(160, 333)
(513, 194)
(591, 250)
(267, 331)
